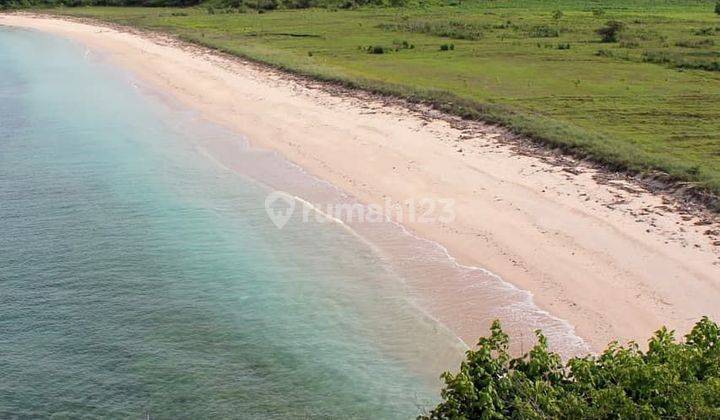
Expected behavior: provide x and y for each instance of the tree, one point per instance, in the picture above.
(670, 380)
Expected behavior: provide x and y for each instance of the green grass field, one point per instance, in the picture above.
(650, 101)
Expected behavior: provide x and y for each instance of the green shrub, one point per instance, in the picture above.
(297, 4)
(629, 43)
(376, 49)
(695, 43)
(447, 47)
(670, 380)
(402, 45)
(680, 61)
(707, 31)
(543, 31)
(448, 29)
(611, 30)
(717, 7)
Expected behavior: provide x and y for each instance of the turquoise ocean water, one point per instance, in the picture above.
(140, 275)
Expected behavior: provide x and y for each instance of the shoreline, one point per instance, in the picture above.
(600, 252)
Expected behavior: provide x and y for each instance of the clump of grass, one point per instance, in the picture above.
(598, 12)
(565, 46)
(447, 47)
(680, 61)
(403, 45)
(709, 30)
(543, 31)
(629, 43)
(643, 34)
(505, 25)
(695, 43)
(448, 29)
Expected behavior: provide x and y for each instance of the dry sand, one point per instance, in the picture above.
(598, 250)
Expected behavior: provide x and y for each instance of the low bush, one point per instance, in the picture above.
(611, 31)
(297, 4)
(449, 29)
(543, 31)
(709, 30)
(629, 43)
(695, 43)
(678, 380)
(402, 45)
(598, 12)
(375, 49)
(681, 61)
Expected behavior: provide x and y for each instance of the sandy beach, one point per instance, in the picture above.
(595, 249)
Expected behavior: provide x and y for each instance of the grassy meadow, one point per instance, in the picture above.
(648, 100)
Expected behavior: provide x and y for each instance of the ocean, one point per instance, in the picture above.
(140, 274)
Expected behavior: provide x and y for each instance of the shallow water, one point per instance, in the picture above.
(140, 274)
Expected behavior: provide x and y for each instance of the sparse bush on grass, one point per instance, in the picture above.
(671, 380)
(557, 15)
(543, 31)
(692, 43)
(680, 61)
(505, 25)
(611, 31)
(402, 45)
(629, 43)
(709, 30)
(297, 4)
(565, 46)
(717, 7)
(447, 47)
(449, 29)
(376, 49)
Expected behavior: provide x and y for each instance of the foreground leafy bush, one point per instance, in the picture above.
(671, 380)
